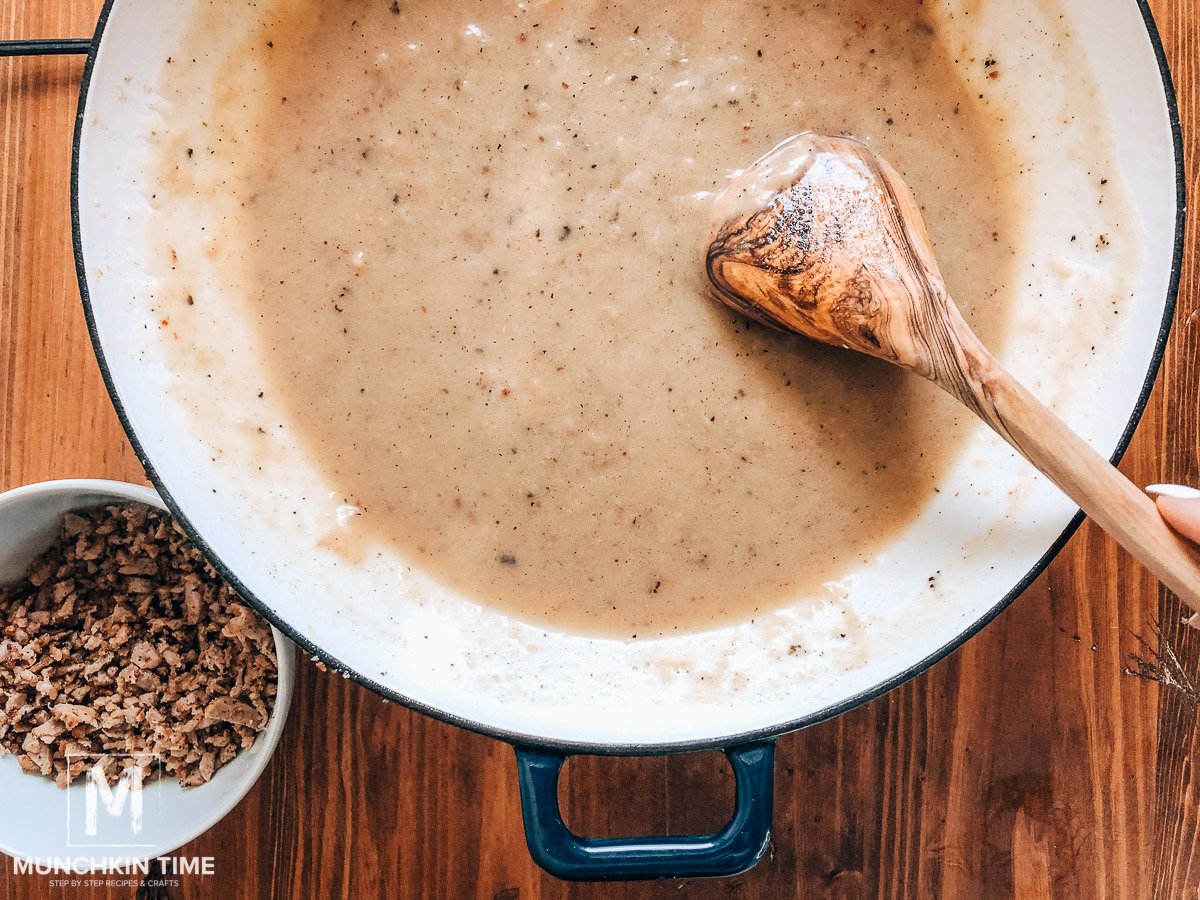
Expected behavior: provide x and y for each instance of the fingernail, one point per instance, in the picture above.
(1179, 491)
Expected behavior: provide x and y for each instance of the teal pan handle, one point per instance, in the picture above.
(733, 849)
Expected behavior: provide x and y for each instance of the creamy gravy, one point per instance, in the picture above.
(473, 238)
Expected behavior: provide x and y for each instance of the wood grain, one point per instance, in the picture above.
(1028, 765)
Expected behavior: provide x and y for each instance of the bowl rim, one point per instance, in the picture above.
(268, 742)
(518, 738)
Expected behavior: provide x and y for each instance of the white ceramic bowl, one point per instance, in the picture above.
(43, 822)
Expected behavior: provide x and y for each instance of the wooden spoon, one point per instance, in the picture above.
(823, 238)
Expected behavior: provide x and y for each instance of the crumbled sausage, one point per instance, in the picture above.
(123, 646)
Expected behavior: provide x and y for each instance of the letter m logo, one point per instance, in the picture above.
(128, 789)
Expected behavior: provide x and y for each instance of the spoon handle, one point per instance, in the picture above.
(1102, 492)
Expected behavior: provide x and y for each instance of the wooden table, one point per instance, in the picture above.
(1031, 763)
